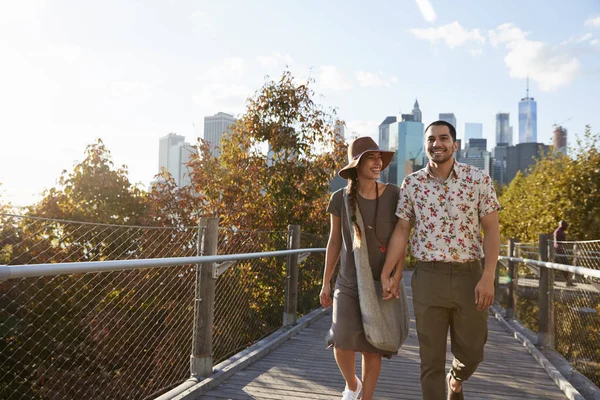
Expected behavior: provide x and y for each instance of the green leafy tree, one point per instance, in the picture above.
(558, 187)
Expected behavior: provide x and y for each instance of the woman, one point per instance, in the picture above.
(376, 203)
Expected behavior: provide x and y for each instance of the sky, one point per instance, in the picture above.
(132, 71)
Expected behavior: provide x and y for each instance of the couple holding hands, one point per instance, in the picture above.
(447, 205)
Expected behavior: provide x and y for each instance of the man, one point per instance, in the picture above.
(560, 235)
(448, 203)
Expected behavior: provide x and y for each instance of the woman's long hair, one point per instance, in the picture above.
(353, 199)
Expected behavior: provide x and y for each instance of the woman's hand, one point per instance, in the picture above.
(325, 296)
(390, 286)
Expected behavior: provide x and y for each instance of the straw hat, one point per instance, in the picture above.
(358, 148)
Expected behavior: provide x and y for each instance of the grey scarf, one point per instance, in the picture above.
(385, 322)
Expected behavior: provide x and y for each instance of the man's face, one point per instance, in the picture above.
(439, 144)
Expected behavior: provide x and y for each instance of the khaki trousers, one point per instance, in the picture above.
(444, 298)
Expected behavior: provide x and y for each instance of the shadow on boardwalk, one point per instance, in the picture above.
(303, 369)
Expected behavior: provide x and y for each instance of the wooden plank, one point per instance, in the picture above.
(304, 369)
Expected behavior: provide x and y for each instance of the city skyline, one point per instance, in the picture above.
(130, 73)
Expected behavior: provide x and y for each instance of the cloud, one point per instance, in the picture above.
(506, 33)
(551, 66)
(593, 22)
(230, 69)
(331, 78)
(214, 97)
(275, 60)
(595, 42)
(578, 39)
(476, 52)
(377, 79)
(426, 10)
(453, 34)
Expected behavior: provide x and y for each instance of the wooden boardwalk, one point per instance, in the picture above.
(303, 369)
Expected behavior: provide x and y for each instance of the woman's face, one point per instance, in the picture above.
(369, 166)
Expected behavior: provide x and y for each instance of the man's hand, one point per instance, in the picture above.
(325, 296)
(484, 292)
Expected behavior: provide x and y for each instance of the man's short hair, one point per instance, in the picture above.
(563, 224)
(447, 124)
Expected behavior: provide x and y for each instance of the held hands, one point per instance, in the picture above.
(484, 292)
(390, 286)
(325, 296)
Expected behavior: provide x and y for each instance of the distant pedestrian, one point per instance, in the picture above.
(560, 249)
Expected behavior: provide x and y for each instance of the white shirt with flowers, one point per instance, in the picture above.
(446, 214)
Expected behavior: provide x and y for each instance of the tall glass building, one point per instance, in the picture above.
(407, 140)
(527, 119)
(449, 117)
(504, 133)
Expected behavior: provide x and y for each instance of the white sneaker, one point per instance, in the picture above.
(348, 394)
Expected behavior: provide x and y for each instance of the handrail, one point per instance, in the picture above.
(574, 269)
(37, 270)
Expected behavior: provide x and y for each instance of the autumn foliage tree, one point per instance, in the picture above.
(86, 319)
(95, 191)
(275, 167)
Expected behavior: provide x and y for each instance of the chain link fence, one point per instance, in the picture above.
(119, 335)
(577, 306)
(576, 300)
(128, 334)
(249, 296)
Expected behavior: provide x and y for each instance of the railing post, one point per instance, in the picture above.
(291, 288)
(201, 362)
(546, 333)
(513, 274)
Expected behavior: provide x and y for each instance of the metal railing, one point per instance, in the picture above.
(134, 319)
(555, 292)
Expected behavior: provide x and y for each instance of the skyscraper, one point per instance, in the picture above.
(477, 144)
(448, 117)
(418, 117)
(384, 133)
(473, 130)
(560, 139)
(527, 119)
(214, 127)
(406, 139)
(173, 155)
(504, 132)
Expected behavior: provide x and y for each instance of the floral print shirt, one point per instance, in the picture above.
(446, 214)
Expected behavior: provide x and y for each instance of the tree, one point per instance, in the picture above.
(94, 192)
(248, 188)
(55, 325)
(6, 231)
(558, 187)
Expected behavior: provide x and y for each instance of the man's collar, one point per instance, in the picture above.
(455, 170)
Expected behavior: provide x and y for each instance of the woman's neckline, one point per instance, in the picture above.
(385, 186)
